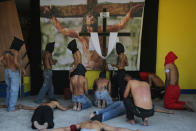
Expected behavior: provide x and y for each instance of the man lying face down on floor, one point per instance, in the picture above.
(137, 100)
(79, 88)
(91, 126)
(43, 115)
(102, 89)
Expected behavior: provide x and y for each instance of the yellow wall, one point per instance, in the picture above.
(177, 32)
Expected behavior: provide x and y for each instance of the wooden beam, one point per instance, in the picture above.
(80, 10)
(107, 34)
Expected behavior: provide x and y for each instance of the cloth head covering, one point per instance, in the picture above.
(73, 128)
(50, 47)
(80, 70)
(119, 48)
(16, 44)
(102, 74)
(144, 75)
(170, 58)
(72, 46)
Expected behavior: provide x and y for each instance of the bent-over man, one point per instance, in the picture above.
(157, 86)
(137, 100)
(43, 115)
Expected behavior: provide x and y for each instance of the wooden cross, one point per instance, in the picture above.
(104, 34)
(80, 10)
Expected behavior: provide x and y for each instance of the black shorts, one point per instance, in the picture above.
(43, 114)
(134, 110)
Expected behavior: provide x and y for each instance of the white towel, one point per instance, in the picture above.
(95, 45)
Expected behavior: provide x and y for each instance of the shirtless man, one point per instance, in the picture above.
(121, 63)
(137, 100)
(172, 93)
(102, 88)
(90, 25)
(79, 89)
(157, 86)
(12, 75)
(76, 54)
(91, 126)
(48, 61)
(43, 115)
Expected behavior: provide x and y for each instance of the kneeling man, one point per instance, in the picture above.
(79, 89)
(137, 100)
(102, 88)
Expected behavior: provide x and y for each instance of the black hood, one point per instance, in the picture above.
(50, 47)
(72, 46)
(102, 74)
(120, 48)
(80, 70)
(16, 44)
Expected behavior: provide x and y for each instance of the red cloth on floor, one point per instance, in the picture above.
(172, 95)
(144, 75)
(170, 58)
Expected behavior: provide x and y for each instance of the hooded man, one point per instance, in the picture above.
(157, 86)
(121, 63)
(79, 88)
(12, 75)
(47, 86)
(76, 54)
(172, 93)
(102, 88)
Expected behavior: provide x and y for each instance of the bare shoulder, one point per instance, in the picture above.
(168, 66)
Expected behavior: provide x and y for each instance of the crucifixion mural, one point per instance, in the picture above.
(63, 22)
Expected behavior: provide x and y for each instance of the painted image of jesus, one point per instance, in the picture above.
(89, 24)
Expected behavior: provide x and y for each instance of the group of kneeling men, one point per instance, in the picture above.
(135, 95)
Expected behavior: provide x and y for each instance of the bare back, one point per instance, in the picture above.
(78, 85)
(156, 80)
(91, 125)
(172, 76)
(122, 61)
(141, 93)
(10, 60)
(103, 84)
(52, 104)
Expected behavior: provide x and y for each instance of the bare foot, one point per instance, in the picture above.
(92, 115)
(99, 103)
(79, 107)
(74, 106)
(103, 104)
(189, 106)
(145, 122)
(131, 122)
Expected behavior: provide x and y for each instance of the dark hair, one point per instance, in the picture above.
(119, 48)
(94, 25)
(102, 74)
(50, 47)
